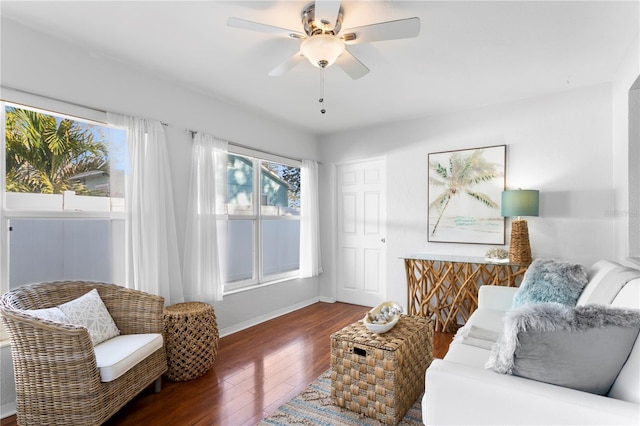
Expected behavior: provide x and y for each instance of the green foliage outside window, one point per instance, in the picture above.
(47, 154)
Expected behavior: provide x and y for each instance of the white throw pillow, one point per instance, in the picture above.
(89, 311)
(52, 314)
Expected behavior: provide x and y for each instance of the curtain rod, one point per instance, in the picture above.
(263, 151)
(75, 104)
(54, 100)
(193, 132)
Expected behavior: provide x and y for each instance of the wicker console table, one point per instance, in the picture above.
(445, 288)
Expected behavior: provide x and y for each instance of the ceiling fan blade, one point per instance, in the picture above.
(351, 65)
(391, 30)
(287, 65)
(263, 28)
(327, 11)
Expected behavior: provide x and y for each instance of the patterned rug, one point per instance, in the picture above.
(314, 407)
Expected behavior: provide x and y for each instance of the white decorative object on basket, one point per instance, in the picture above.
(383, 317)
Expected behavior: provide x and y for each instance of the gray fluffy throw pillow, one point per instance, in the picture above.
(547, 280)
(581, 348)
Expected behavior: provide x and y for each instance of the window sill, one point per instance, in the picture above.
(47, 214)
(257, 286)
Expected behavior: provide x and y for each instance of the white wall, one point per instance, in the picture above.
(625, 77)
(559, 144)
(34, 63)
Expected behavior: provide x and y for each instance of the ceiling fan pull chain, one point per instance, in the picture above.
(321, 100)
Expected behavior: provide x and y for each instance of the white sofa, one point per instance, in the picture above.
(460, 390)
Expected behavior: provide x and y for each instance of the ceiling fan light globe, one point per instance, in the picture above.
(322, 47)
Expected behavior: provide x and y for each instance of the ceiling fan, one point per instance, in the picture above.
(323, 43)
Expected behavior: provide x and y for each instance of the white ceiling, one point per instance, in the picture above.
(468, 54)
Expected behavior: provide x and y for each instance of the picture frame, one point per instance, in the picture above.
(465, 195)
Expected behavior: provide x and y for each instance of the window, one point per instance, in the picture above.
(263, 230)
(63, 181)
(55, 162)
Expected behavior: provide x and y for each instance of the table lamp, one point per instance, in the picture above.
(520, 202)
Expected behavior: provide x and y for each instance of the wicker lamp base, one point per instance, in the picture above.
(519, 248)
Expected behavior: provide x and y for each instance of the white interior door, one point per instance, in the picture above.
(361, 263)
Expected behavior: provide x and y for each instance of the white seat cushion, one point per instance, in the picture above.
(467, 354)
(119, 354)
(487, 319)
(472, 343)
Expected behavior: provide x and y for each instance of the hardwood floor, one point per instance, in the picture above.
(256, 371)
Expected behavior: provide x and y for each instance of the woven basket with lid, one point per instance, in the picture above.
(381, 375)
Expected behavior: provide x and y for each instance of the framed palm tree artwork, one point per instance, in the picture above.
(465, 190)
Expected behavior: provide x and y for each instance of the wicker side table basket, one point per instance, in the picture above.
(381, 375)
(191, 338)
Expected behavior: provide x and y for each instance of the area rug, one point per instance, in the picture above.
(314, 407)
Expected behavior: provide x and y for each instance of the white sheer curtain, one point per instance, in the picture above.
(310, 257)
(153, 263)
(204, 244)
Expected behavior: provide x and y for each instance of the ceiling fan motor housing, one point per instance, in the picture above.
(313, 27)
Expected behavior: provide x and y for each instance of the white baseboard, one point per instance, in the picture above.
(8, 409)
(271, 315)
(327, 299)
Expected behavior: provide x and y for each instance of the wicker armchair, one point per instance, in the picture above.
(57, 380)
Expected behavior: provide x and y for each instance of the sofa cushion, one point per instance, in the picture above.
(89, 311)
(496, 297)
(605, 285)
(547, 280)
(119, 354)
(51, 314)
(480, 337)
(582, 348)
(487, 319)
(626, 386)
(482, 329)
(597, 271)
(629, 295)
(467, 354)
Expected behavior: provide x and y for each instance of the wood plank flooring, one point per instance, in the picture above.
(256, 370)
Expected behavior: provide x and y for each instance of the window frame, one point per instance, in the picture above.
(257, 217)
(61, 109)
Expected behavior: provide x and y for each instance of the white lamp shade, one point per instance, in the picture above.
(322, 47)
